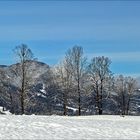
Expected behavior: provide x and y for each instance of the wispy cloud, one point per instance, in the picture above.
(118, 56)
(69, 31)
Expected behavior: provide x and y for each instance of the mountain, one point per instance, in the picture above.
(10, 82)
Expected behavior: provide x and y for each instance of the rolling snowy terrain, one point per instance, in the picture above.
(60, 127)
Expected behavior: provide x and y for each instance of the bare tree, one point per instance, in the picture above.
(76, 63)
(121, 90)
(125, 87)
(24, 55)
(99, 73)
(64, 78)
(131, 86)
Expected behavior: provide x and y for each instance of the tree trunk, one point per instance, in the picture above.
(100, 105)
(65, 104)
(123, 104)
(100, 99)
(79, 100)
(12, 105)
(97, 100)
(128, 104)
(23, 88)
(22, 102)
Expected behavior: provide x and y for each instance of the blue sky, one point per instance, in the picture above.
(49, 28)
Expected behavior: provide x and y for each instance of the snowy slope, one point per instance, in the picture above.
(58, 127)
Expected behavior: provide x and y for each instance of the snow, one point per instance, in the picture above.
(60, 127)
(43, 89)
(41, 95)
(6, 112)
(71, 108)
(1, 108)
(43, 92)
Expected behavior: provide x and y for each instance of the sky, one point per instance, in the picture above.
(50, 28)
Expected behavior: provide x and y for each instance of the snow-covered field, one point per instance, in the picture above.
(58, 127)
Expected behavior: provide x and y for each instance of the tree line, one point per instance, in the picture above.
(76, 77)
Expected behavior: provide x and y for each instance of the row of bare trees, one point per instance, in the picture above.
(74, 72)
(77, 76)
(95, 77)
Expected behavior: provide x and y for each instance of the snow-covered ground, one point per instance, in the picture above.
(58, 127)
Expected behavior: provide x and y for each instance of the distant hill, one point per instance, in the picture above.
(3, 66)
